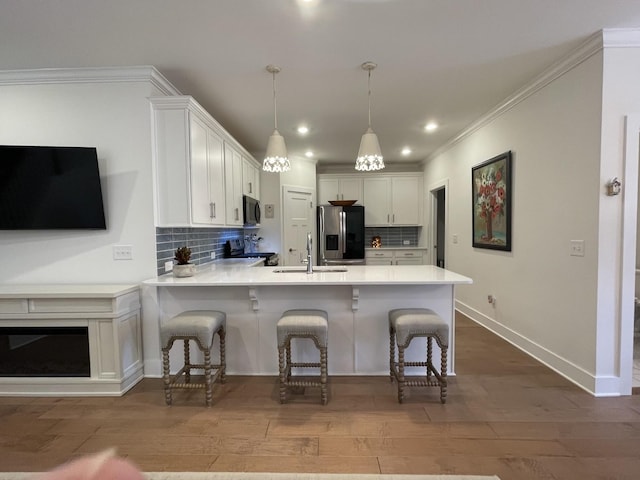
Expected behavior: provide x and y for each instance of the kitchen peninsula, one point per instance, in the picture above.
(357, 300)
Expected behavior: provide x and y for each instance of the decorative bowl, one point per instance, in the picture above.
(342, 203)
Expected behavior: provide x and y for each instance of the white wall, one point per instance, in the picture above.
(546, 299)
(115, 118)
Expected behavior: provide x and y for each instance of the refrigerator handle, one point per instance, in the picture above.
(343, 231)
(321, 236)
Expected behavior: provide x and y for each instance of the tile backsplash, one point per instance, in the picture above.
(392, 236)
(201, 241)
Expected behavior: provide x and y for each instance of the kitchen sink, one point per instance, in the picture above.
(315, 269)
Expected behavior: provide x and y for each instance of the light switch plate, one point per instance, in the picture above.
(577, 248)
(122, 252)
(268, 210)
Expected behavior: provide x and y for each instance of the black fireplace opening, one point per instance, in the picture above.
(44, 352)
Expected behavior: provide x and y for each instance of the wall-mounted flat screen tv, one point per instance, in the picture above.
(44, 188)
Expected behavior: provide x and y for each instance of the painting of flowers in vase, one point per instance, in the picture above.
(491, 184)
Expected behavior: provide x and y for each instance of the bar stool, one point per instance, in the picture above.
(404, 325)
(311, 324)
(201, 326)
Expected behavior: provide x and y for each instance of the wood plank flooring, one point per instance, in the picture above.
(506, 414)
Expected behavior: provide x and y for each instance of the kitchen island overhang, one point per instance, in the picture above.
(357, 301)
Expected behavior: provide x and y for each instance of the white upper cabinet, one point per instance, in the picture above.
(233, 185)
(339, 187)
(207, 175)
(393, 200)
(198, 167)
(250, 179)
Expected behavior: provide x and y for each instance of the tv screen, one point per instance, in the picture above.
(50, 188)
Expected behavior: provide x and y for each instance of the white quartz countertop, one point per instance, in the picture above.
(64, 290)
(221, 274)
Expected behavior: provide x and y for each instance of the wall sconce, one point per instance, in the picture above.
(613, 187)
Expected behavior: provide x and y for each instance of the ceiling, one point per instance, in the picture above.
(448, 61)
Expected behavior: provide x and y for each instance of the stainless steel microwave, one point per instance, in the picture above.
(250, 210)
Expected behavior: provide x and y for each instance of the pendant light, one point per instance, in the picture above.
(275, 160)
(369, 154)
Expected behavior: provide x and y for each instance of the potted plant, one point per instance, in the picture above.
(182, 267)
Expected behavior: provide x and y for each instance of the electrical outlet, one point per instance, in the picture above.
(455, 238)
(168, 266)
(406, 242)
(577, 248)
(213, 255)
(122, 252)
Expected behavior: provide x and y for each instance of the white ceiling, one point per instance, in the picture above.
(445, 60)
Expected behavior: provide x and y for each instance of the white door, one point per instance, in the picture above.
(298, 220)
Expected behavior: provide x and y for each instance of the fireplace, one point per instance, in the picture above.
(44, 352)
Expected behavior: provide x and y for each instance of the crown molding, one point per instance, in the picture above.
(145, 73)
(592, 45)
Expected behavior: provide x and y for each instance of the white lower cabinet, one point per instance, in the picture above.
(390, 256)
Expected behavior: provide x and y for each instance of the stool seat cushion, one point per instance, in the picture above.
(408, 322)
(303, 322)
(201, 324)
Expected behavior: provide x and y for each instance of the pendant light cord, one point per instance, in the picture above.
(275, 116)
(369, 97)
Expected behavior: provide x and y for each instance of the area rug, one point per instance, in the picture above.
(271, 476)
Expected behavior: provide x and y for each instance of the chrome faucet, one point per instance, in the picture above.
(309, 261)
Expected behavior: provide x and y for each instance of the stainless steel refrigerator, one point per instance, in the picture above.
(340, 235)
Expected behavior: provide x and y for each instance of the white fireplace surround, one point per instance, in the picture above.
(111, 314)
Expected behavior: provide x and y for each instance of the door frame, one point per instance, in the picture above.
(432, 208)
(628, 254)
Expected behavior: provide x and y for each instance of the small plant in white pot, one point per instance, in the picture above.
(183, 268)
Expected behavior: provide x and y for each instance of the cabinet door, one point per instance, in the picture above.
(408, 257)
(351, 189)
(250, 179)
(328, 189)
(199, 172)
(377, 196)
(215, 155)
(405, 200)
(379, 257)
(233, 185)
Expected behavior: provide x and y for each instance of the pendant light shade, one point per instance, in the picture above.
(275, 159)
(369, 155)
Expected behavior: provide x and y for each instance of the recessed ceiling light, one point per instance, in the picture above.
(303, 129)
(431, 126)
(406, 151)
(308, 153)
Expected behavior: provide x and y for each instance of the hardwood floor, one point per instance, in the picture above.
(506, 414)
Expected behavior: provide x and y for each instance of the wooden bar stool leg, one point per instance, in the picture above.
(166, 376)
(400, 374)
(223, 355)
(281, 368)
(429, 357)
(323, 375)
(207, 377)
(392, 353)
(187, 362)
(443, 374)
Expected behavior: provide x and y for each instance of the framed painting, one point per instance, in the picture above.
(491, 187)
